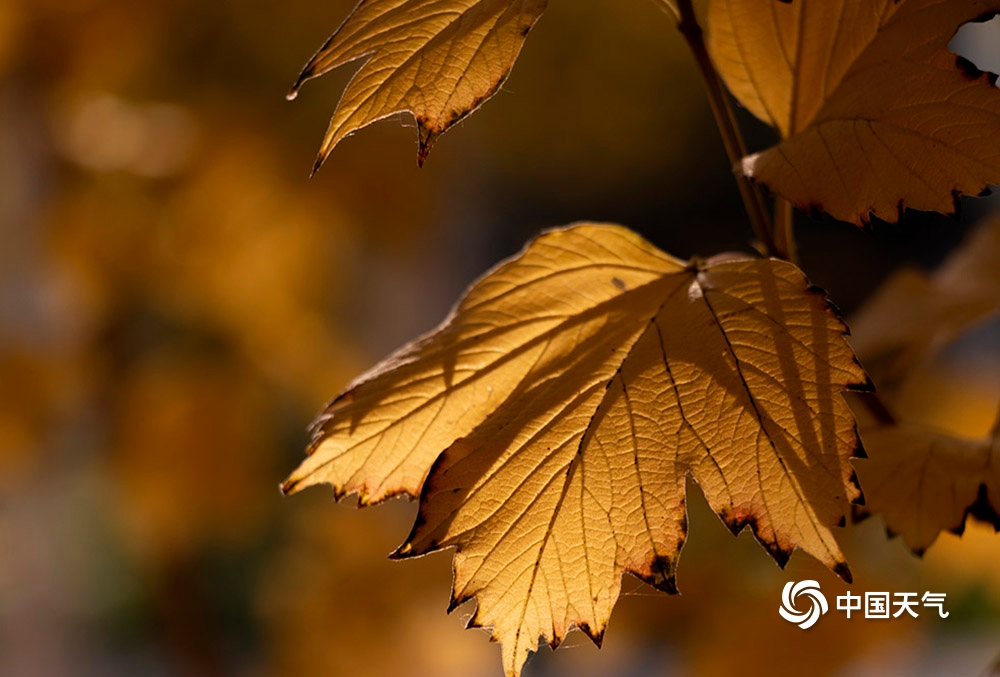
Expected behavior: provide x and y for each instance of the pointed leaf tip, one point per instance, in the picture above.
(317, 163)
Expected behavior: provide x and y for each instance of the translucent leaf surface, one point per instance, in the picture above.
(572, 391)
(436, 59)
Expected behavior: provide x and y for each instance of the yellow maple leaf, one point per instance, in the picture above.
(436, 59)
(572, 391)
(875, 114)
(924, 482)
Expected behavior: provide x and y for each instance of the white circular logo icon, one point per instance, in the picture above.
(804, 619)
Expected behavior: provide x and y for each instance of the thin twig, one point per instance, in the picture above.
(784, 230)
(718, 98)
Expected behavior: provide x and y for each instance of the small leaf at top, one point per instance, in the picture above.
(436, 59)
(875, 113)
(572, 391)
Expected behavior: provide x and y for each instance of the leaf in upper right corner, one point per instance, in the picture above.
(924, 482)
(875, 113)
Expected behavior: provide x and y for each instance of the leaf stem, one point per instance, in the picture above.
(718, 98)
(784, 230)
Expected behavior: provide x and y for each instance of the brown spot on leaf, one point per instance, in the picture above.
(842, 570)
(596, 637)
(778, 553)
(661, 574)
(735, 520)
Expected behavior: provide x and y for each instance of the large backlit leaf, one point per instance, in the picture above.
(572, 391)
(874, 111)
(436, 59)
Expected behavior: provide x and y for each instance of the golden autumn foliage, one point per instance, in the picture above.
(572, 391)
(176, 300)
(437, 60)
(549, 424)
(922, 478)
(875, 113)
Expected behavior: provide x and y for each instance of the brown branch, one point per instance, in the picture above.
(784, 230)
(718, 98)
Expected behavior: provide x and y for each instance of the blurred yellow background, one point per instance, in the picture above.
(177, 299)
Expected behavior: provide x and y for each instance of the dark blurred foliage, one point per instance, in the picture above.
(177, 299)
